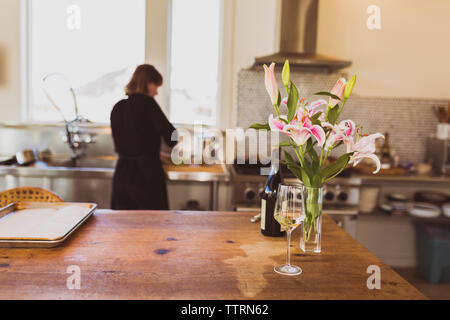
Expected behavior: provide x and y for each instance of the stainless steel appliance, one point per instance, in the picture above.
(298, 39)
(341, 195)
(88, 179)
(438, 153)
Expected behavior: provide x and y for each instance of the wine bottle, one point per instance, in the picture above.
(269, 226)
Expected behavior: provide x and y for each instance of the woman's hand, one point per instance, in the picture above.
(165, 157)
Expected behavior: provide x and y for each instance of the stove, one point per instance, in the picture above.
(340, 199)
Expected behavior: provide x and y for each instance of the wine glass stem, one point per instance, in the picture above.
(288, 254)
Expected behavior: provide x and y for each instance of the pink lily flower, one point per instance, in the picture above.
(271, 83)
(338, 90)
(300, 132)
(348, 127)
(364, 148)
(304, 129)
(318, 133)
(313, 108)
(308, 111)
(276, 124)
(333, 139)
(340, 132)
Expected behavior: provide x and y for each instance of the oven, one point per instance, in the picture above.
(340, 200)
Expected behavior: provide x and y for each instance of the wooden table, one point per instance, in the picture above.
(192, 255)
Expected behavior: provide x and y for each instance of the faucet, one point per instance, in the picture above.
(77, 137)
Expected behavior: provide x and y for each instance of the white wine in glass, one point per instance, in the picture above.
(289, 214)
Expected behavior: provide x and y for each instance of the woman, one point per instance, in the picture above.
(137, 125)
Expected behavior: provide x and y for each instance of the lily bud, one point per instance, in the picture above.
(271, 83)
(349, 87)
(286, 74)
(338, 90)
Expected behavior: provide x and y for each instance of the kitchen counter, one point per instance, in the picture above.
(72, 178)
(409, 178)
(192, 255)
(199, 173)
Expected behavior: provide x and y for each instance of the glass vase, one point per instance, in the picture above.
(311, 228)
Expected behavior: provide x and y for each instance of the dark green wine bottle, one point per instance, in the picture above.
(269, 226)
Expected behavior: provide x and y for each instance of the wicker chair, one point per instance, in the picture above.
(33, 194)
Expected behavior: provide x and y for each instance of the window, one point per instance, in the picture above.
(92, 46)
(194, 61)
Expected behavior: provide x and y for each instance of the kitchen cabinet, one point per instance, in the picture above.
(86, 184)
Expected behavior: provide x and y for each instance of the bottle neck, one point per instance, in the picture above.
(275, 167)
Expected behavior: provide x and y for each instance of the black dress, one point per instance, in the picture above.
(139, 181)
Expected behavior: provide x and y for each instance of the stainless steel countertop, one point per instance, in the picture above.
(107, 173)
(378, 179)
(199, 176)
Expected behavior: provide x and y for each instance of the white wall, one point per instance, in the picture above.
(255, 33)
(156, 44)
(9, 60)
(249, 30)
(408, 57)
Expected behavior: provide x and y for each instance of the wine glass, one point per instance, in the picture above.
(289, 214)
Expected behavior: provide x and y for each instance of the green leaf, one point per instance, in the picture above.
(297, 171)
(305, 178)
(316, 116)
(288, 157)
(285, 75)
(313, 155)
(335, 168)
(292, 102)
(300, 174)
(315, 122)
(286, 144)
(325, 93)
(310, 149)
(260, 126)
(277, 105)
(307, 169)
(349, 87)
(317, 180)
(315, 163)
(292, 164)
(332, 114)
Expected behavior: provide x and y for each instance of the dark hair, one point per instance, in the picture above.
(142, 76)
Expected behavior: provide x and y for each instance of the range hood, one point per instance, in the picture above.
(298, 35)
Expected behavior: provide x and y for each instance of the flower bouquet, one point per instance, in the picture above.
(314, 131)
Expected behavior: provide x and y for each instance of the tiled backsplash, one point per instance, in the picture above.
(408, 121)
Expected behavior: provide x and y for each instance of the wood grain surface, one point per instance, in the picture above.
(193, 255)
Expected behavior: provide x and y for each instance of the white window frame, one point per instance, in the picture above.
(26, 101)
(156, 52)
(25, 60)
(223, 15)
